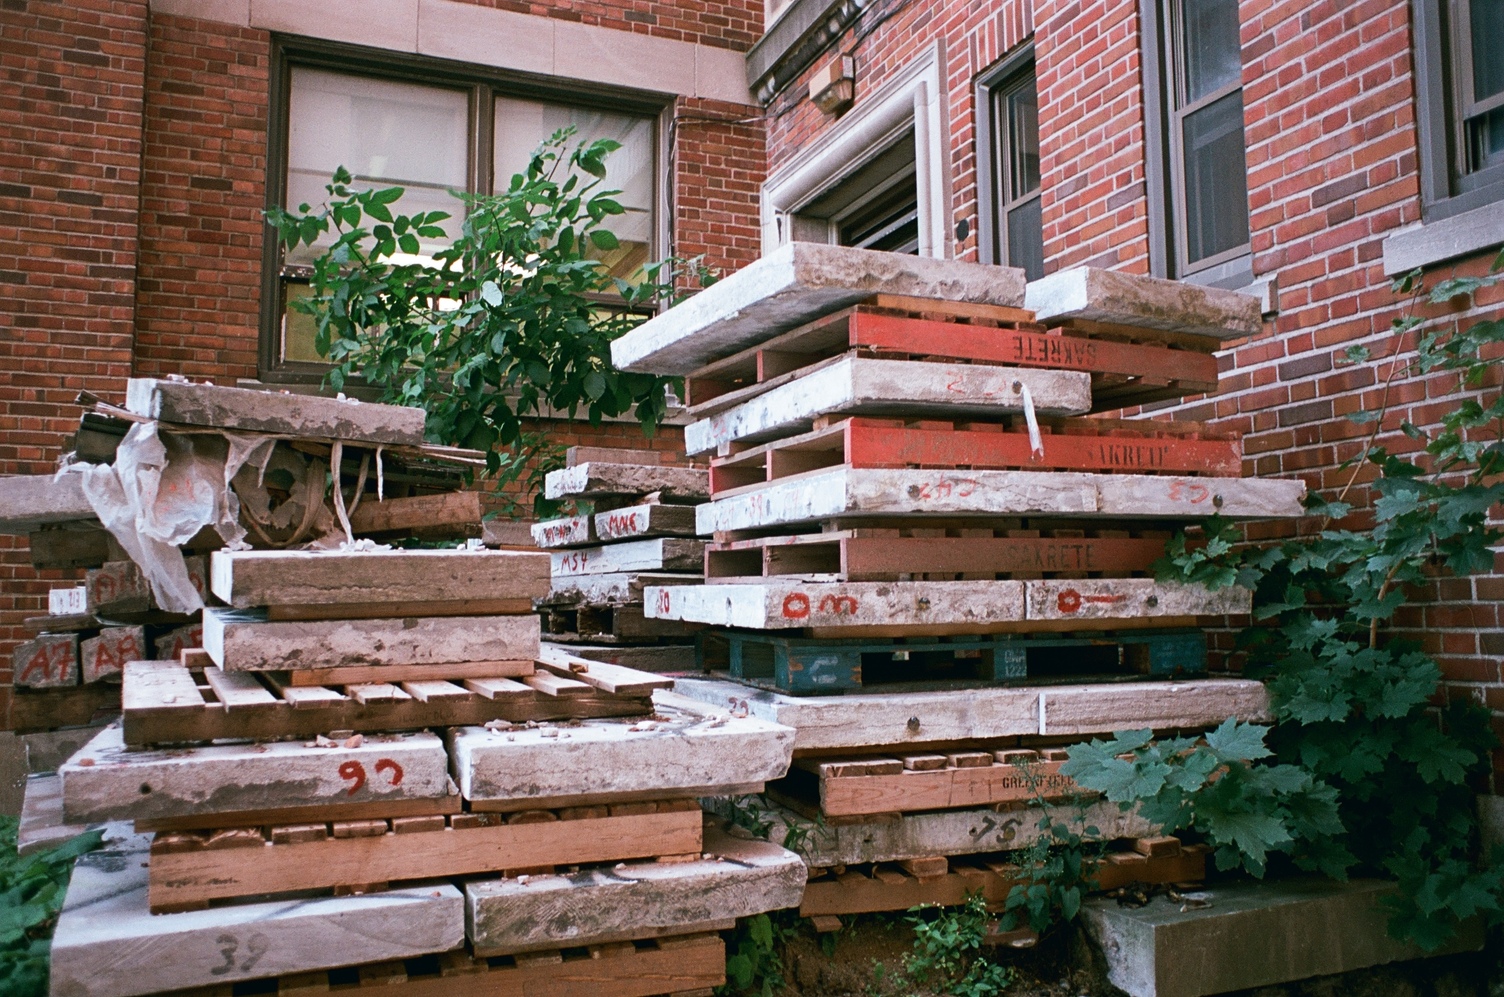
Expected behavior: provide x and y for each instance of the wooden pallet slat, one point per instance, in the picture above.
(360, 674)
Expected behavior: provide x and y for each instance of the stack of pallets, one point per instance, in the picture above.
(639, 531)
(375, 764)
(913, 507)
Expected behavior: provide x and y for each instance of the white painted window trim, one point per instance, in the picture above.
(1444, 239)
(912, 99)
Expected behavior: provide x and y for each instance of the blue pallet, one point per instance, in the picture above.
(804, 665)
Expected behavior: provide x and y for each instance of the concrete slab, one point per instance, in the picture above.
(690, 751)
(842, 491)
(792, 285)
(1251, 935)
(104, 781)
(910, 388)
(596, 479)
(942, 832)
(617, 589)
(1146, 302)
(633, 900)
(243, 640)
(42, 825)
(882, 720)
(275, 412)
(657, 554)
(28, 501)
(779, 604)
(107, 944)
(247, 578)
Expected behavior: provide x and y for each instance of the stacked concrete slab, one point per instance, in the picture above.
(634, 527)
(915, 518)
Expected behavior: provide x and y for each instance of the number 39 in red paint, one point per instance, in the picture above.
(355, 773)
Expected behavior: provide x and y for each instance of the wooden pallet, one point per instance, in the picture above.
(1128, 366)
(189, 869)
(611, 625)
(1069, 444)
(682, 966)
(165, 702)
(34, 710)
(947, 882)
(935, 553)
(801, 665)
(877, 784)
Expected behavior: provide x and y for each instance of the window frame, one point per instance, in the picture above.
(1443, 64)
(994, 157)
(1164, 162)
(483, 85)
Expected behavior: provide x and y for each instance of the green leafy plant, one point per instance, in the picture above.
(31, 894)
(947, 954)
(511, 320)
(755, 965)
(1362, 773)
(1055, 874)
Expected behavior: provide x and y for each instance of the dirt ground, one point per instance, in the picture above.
(867, 960)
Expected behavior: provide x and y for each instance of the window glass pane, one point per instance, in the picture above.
(1211, 55)
(1486, 19)
(1026, 238)
(522, 124)
(385, 133)
(1216, 179)
(1485, 137)
(1023, 139)
(298, 328)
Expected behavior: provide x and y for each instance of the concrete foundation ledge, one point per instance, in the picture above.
(1251, 935)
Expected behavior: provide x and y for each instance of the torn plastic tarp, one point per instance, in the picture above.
(160, 492)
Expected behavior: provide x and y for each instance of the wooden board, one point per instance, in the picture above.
(34, 710)
(857, 385)
(447, 513)
(877, 554)
(890, 887)
(845, 790)
(885, 722)
(660, 554)
(244, 640)
(1068, 445)
(203, 874)
(1123, 372)
(609, 625)
(324, 813)
(444, 673)
(165, 705)
(837, 492)
(277, 578)
(606, 677)
(66, 548)
(779, 604)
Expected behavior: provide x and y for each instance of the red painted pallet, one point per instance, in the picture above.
(878, 554)
(1129, 366)
(1097, 445)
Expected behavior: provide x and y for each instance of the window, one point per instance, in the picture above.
(1460, 90)
(1196, 146)
(1017, 227)
(430, 133)
(876, 207)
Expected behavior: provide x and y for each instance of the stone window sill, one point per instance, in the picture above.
(1444, 239)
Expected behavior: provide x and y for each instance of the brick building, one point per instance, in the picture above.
(1304, 151)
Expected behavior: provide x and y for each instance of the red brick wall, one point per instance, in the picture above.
(70, 153)
(203, 188)
(1332, 168)
(717, 175)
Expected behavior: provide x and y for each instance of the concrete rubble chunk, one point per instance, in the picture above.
(843, 491)
(249, 578)
(865, 386)
(1251, 935)
(691, 750)
(29, 501)
(107, 943)
(596, 479)
(49, 661)
(275, 412)
(661, 554)
(795, 284)
(1142, 301)
(878, 720)
(895, 837)
(104, 781)
(242, 640)
(738, 878)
